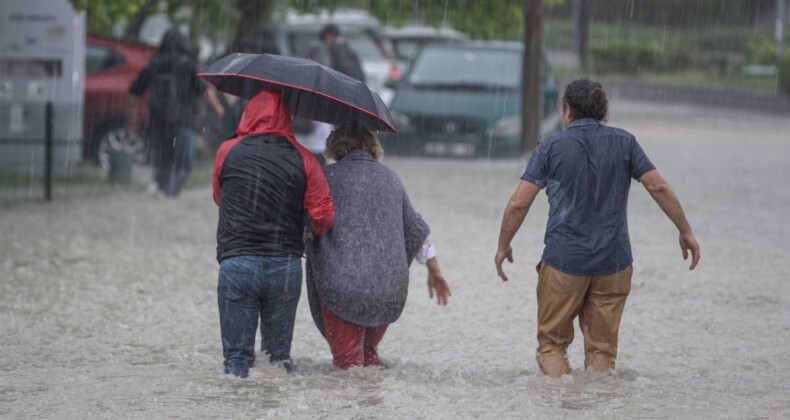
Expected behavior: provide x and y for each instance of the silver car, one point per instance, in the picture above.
(299, 33)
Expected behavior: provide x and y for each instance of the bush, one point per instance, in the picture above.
(784, 75)
(719, 62)
(632, 57)
(762, 51)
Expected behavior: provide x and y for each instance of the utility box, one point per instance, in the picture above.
(42, 59)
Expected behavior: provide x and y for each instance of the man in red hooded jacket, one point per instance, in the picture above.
(264, 183)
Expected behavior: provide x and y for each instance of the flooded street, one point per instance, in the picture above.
(108, 305)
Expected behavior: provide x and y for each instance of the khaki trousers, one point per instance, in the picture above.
(599, 303)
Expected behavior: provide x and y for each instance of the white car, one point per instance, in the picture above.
(362, 31)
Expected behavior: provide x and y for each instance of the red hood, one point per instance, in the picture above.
(266, 113)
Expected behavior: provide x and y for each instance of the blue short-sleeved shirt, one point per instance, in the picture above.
(587, 170)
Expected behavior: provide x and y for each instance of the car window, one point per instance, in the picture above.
(361, 42)
(469, 66)
(300, 42)
(364, 45)
(99, 59)
(406, 49)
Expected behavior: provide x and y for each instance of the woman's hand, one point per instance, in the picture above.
(437, 285)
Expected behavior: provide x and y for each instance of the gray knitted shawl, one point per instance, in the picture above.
(360, 268)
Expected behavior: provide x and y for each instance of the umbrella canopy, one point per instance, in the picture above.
(311, 90)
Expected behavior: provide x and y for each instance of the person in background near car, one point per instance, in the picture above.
(264, 182)
(334, 52)
(586, 266)
(341, 57)
(313, 134)
(173, 90)
(358, 273)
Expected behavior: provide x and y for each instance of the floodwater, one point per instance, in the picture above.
(108, 305)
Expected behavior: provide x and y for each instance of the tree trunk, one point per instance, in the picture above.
(132, 31)
(195, 28)
(253, 18)
(530, 74)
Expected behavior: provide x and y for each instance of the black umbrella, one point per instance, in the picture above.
(311, 90)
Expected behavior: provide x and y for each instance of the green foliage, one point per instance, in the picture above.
(675, 13)
(558, 34)
(762, 50)
(103, 14)
(632, 57)
(216, 15)
(501, 19)
(633, 48)
(784, 75)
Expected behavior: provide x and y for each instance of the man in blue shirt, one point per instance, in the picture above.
(586, 267)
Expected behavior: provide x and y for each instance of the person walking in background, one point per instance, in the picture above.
(586, 266)
(173, 91)
(264, 183)
(312, 134)
(358, 273)
(332, 51)
(341, 57)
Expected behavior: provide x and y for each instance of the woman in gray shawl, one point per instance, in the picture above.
(358, 273)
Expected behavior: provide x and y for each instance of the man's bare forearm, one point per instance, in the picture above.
(511, 222)
(213, 99)
(666, 199)
(670, 204)
(516, 211)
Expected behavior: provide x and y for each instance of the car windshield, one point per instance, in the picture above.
(361, 42)
(406, 49)
(364, 45)
(438, 66)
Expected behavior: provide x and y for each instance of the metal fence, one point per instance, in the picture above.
(44, 167)
(40, 165)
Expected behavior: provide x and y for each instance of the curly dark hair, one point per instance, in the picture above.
(586, 99)
(346, 138)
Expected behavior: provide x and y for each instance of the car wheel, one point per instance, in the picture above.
(119, 141)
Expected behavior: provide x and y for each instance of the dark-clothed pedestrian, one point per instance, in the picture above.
(268, 187)
(586, 266)
(358, 273)
(341, 57)
(333, 52)
(170, 79)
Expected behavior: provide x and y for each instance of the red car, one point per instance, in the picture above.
(110, 66)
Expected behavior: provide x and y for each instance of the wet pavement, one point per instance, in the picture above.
(108, 305)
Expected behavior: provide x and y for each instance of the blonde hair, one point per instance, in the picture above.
(346, 138)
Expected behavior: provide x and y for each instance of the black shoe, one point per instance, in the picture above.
(238, 372)
(287, 364)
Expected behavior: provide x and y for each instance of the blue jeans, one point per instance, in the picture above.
(175, 153)
(253, 286)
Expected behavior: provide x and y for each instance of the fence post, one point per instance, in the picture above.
(48, 146)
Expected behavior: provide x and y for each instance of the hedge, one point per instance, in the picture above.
(627, 56)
